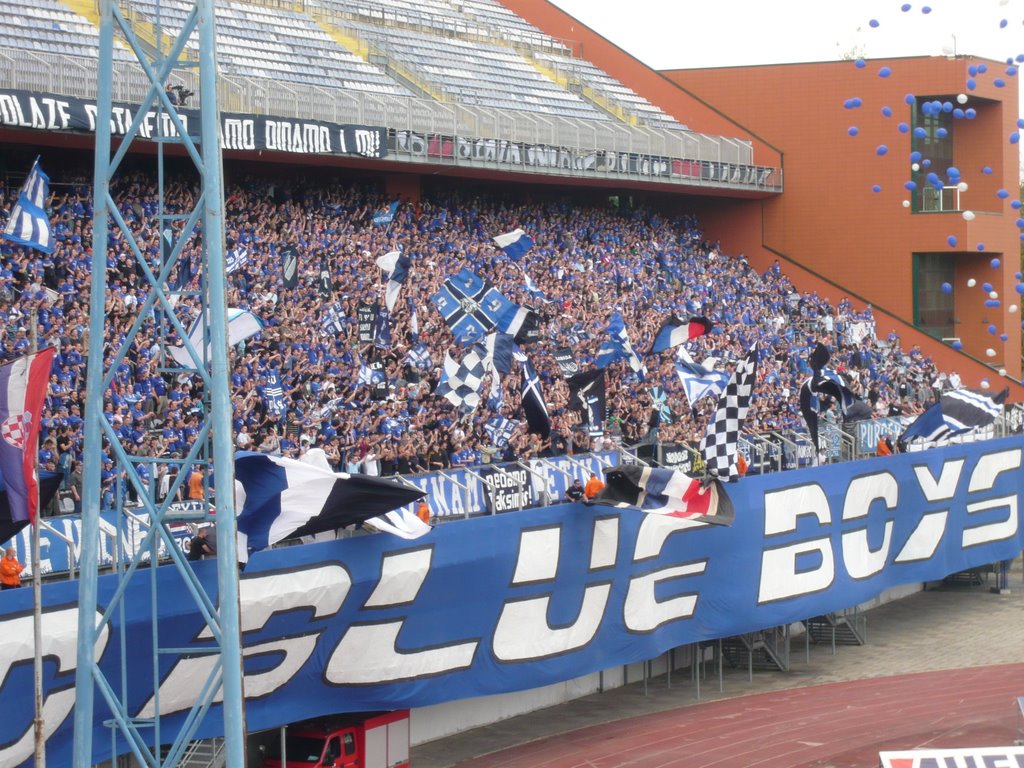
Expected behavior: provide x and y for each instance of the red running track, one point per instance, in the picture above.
(839, 725)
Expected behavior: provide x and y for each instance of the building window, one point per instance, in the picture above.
(933, 308)
(932, 136)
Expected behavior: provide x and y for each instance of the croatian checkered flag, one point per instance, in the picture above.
(720, 442)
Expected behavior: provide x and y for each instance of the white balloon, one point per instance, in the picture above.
(962, 186)
(993, 294)
(906, 203)
(990, 352)
(1012, 308)
(961, 98)
(1002, 371)
(984, 383)
(968, 215)
(915, 167)
(971, 283)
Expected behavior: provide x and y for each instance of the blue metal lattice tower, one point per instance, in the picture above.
(151, 744)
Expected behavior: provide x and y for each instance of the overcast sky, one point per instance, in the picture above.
(676, 34)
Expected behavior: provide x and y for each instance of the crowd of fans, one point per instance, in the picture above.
(587, 262)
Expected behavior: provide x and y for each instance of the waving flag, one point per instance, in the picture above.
(515, 244)
(242, 325)
(273, 395)
(333, 320)
(618, 347)
(500, 430)
(675, 331)
(414, 323)
(388, 215)
(699, 381)
(533, 290)
(370, 377)
(471, 307)
(29, 225)
(496, 348)
(460, 383)
(660, 406)
(587, 396)
(667, 492)
(419, 357)
(536, 410)
(282, 498)
(22, 392)
(49, 484)
(957, 413)
(289, 266)
(720, 444)
(522, 323)
(396, 264)
(235, 259)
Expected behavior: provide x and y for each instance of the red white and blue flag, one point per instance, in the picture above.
(22, 392)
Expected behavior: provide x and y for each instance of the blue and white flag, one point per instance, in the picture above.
(500, 430)
(368, 376)
(497, 349)
(396, 264)
(414, 323)
(660, 406)
(957, 413)
(236, 258)
(495, 400)
(674, 331)
(333, 321)
(273, 394)
(534, 407)
(460, 383)
(515, 244)
(522, 323)
(419, 357)
(29, 224)
(618, 347)
(532, 289)
(282, 498)
(382, 328)
(699, 381)
(386, 217)
(471, 307)
(242, 325)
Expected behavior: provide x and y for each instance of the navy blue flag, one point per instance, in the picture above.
(397, 265)
(382, 328)
(289, 266)
(500, 430)
(273, 394)
(957, 413)
(386, 216)
(587, 396)
(28, 224)
(235, 259)
(536, 410)
(333, 320)
(414, 323)
(522, 323)
(497, 348)
(419, 357)
(471, 307)
(324, 284)
(287, 498)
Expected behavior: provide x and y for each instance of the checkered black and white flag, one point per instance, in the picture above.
(461, 382)
(721, 440)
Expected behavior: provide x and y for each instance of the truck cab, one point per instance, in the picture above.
(374, 740)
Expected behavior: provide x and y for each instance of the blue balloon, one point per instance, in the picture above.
(947, 288)
(926, 9)
(1020, 122)
(873, 23)
(926, 163)
(999, 82)
(860, 63)
(991, 329)
(981, 247)
(1011, 71)
(1014, 137)
(951, 240)
(1019, 288)
(911, 185)
(1002, 194)
(1003, 337)
(953, 172)
(915, 156)
(959, 345)
(853, 130)
(910, 98)
(920, 132)
(876, 188)
(995, 263)
(941, 133)
(972, 70)
(958, 114)
(970, 113)
(1019, 275)
(986, 287)
(1015, 204)
(982, 68)
(884, 72)
(1020, 58)
(903, 127)
(881, 150)
(986, 170)
(947, 106)
(906, 7)
(971, 84)
(887, 111)
(1003, 23)
(1020, 223)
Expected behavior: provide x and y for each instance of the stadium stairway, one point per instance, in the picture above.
(767, 649)
(837, 629)
(573, 85)
(371, 54)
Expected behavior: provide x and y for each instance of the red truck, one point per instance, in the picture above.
(365, 740)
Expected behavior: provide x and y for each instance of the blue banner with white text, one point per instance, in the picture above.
(506, 602)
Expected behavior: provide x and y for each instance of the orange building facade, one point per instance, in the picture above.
(830, 229)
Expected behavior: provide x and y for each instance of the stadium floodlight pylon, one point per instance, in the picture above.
(151, 744)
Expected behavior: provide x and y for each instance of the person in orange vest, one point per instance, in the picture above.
(423, 511)
(593, 487)
(883, 449)
(741, 464)
(195, 484)
(10, 570)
